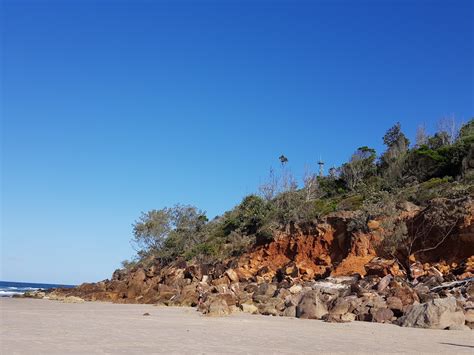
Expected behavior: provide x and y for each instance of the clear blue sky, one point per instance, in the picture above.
(112, 108)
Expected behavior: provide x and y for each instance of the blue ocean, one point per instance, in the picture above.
(9, 289)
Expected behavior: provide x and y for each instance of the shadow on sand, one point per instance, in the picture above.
(461, 345)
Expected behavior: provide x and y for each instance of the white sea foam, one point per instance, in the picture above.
(12, 290)
(4, 293)
(9, 289)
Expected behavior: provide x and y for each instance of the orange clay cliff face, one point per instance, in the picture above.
(317, 253)
(323, 271)
(329, 249)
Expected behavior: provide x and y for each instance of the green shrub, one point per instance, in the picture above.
(286, 207)
(129, 264)
(207, 250)
(351, 203)
(331, 186)
(248, 217)
(435, 182)
(323, 207)
(430, 189)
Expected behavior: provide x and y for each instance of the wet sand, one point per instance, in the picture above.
(29, 326)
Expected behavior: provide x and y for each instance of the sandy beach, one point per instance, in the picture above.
(31, 326)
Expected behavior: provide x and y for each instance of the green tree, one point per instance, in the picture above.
(360, 167)
(393, 159)
(439, 158)
(395, 137)
(440, 139)
(169, 232)
(466, 133)
(151, 229)
(188, 224)
(248, 217)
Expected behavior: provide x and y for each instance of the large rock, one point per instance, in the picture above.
(221, 281)
(165, 294)
(66, 299)
(470, 318)
(436, 314)
(470, 291)
(293, 300)
(264, 292)
(384, 282)
(348, 317)
(73, 299)
(289, 311)
(173, 276)
(469, 315)
(188, 296)
(382, 267)
(311, 306)
(406, 294)
(340, 307)
(365, 306)
(333, 286)
(266, 289)
(382, 315)
(295, 289)
(352, 265)
(136, 284)
(249, 308)
(244, 297)
(232, 275)
(283, 293)
(32, 294)
(417, 270)
(395, 304)
(119, 275)
(273, 307)
(216, 306)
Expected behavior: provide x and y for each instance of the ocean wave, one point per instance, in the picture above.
(9, 293)
(10, 288)
(21, 288)
(12, 291)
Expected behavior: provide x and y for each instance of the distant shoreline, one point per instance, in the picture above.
(15, 288)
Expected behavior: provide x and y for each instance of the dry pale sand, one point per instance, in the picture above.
(42, 326)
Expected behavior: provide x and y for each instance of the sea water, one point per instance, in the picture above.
(9, 288)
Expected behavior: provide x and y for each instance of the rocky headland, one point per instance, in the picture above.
(324, 271)
(386, 239)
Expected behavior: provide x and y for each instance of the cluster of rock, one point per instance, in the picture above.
(374, 298)
(430, 301)
(53, 296)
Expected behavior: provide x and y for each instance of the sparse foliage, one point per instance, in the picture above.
(448, 128)
(269, 189)
(421, 136)
(424, 233)
(311, 185)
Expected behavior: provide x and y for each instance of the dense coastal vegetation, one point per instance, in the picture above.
(374, 186)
